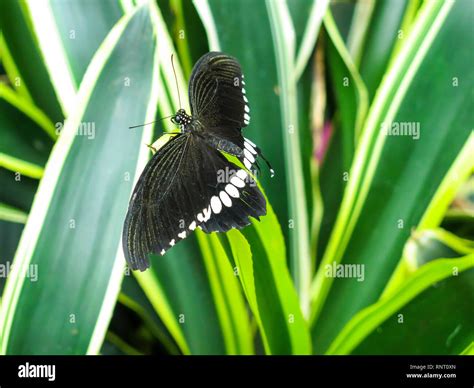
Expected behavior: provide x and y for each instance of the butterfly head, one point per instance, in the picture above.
(181, 118)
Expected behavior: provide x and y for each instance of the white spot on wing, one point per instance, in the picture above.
(216, 204)
(250, 148)
(172, 242)
(232, 191)
(245, 99)
(162, 252)
(236, 181)
(207, 213)
(243, 90)
(225, 199)
(247, 164)
(242, 174)
(249, 155)
(200, 217)
(250, 142)
(192, 225)
(246, 108)
(182, 234)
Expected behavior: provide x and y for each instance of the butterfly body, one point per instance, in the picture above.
(189, 183)
(184, 121)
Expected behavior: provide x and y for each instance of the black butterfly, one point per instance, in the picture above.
(189, 183)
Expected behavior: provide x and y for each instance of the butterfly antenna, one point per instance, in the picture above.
(151, 122)
(176, 80)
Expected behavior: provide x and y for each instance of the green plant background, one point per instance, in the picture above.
(323, 79)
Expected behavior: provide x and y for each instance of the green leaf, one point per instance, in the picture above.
(183, 291)
(411, 10)
(409, 321)
(382, 36)
(395, 177)
(284, 46)
(357, 35)
(469, 350)
(10, 232)
(9, 213)
(459, 174)
(17, 190)
(73, 240)
(228, 298)
(459, 218)
(343, 12)
(268, 287)
(157, 295)
(30, 110)
(11, 71)
(136, 327)
(299, 12)
(133, 297)
(351, 98)
(349, 86)
(65, 55)
(308, 92)
(27, 70)
(24, 145)
(425, 246)
(307, 18)
(119, 345)
(79, 37)
(428, 245)
(308, 72)
(186, 30)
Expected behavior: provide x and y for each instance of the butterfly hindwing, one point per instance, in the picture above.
(187, 184)
(235, 197)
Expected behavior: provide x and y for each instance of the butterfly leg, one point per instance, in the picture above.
(153, 149)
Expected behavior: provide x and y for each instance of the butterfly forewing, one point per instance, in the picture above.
(187, 184)
(218, 101)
